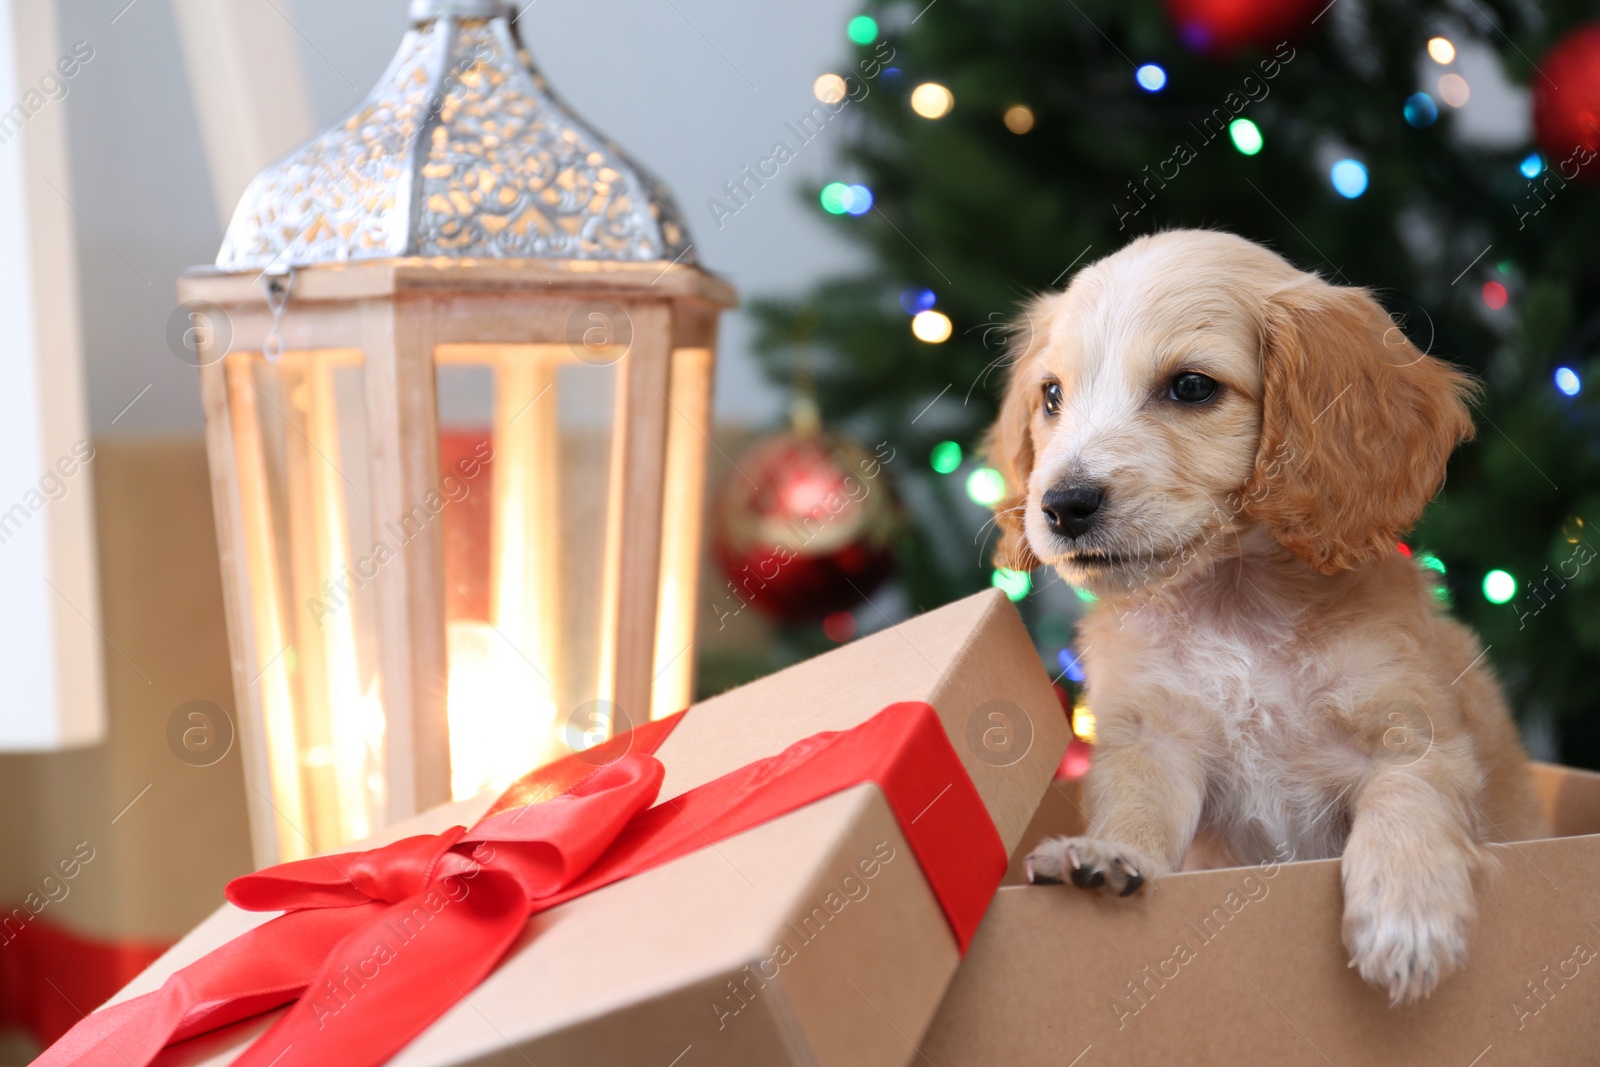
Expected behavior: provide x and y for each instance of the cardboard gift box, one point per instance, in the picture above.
(1245, 965)
(811, 939)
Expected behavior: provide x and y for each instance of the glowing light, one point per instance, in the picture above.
(932, 327)
(840, 626)
(1454, 90)
(1086, 596)
(1019, 119)
(1151, 78)
(915, 300)
(1403, 548)
(1420, 110)
(1430, 561)
(1070, 665)
(932, 100)
(1567, 381)
(1246, 136)
(986, 486)
(829, 88)
(1441, 50)
(1083, 723)
(840, 199)
(496, 731)
(1532, 165)
(945, 457)
(1495, 295)
(1075, 764)
(1349, 178)
(1499, 587)
(863, 29)
(1014, 584)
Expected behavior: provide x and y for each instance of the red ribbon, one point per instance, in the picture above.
(374, 946)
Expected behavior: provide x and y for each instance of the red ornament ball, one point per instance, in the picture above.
(803, 526)
(1221, 27)
(1566, 104)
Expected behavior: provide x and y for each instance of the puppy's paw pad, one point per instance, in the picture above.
(1087, 863)
(1406, 950)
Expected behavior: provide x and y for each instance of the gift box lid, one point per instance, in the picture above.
(813, 938)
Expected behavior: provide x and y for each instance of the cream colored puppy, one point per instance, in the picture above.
(1225, 450)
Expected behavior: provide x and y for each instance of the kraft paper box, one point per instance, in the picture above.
(1245, 965)
(662, 969)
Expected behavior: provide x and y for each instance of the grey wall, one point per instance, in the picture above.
(693, 88)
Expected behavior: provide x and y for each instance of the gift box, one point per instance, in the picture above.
(824, 935)
(1245, 965)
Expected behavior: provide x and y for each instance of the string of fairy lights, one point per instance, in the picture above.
(1347, 177)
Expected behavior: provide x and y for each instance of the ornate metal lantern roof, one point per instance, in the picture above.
(461, 150)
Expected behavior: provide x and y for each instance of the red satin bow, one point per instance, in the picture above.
(374, 946)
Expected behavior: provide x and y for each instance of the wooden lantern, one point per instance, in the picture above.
(456, 361)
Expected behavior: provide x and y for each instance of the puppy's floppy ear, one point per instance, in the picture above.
(1010, 444)
(1356, 426)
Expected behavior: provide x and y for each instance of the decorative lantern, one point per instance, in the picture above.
(454, 352)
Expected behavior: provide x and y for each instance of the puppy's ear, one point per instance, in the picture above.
(1356, 426)
(1010, 444)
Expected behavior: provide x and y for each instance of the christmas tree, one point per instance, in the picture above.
(991, 149)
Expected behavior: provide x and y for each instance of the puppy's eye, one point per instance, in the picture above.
(1052, 398)
(1192, 388)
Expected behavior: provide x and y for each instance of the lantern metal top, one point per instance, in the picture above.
(461, 150)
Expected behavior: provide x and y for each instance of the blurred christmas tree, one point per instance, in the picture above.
(1004, 144)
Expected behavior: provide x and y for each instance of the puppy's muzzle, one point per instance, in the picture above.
(1072, 511)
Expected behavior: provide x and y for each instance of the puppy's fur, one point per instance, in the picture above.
(1265, 668)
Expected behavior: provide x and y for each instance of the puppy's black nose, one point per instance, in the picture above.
(1072, 511)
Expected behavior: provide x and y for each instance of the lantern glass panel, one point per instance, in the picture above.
(300, 442)
(525, 467)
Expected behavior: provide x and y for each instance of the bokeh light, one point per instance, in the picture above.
(1532, 165)
(1441, 50)
(1083, 723)
(1431, 561)
(915, 300)
(1494, 296)
(1499, 586)
(840, 199)
(945, 457)
(1567, 381)
(931, 326)
(1349, 178)
(1014, 584)
(829, 88)
(863, 29)
(1454, 90)
(1151, 78)
(1018, 118)
(840, 626)
(1085, 596)
(932, 100)
(1246, 136)
(1070, 667)
(986, 486)
(1420, 110)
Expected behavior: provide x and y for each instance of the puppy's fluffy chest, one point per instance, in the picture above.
(1243, 681)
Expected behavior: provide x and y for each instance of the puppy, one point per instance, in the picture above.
(1225, 450)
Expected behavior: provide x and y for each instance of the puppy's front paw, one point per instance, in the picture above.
(1088, 863)
(1403, 940)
